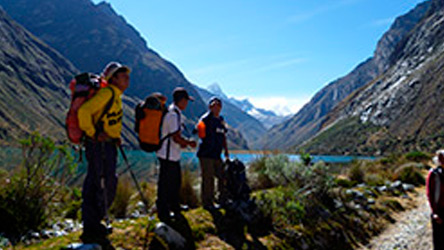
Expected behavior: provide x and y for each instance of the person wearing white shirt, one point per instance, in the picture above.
(170, 177)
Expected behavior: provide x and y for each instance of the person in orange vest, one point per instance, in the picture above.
(212, 132)
(101, 119)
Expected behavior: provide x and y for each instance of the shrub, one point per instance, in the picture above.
(28, 200)
(306, 158)
(256, 175)
(3, 177)
(356, 173)
(344, 182)
(122, 199)
(74, 204)
(374, 180)
(409, 173)
(279, 170)
(417, 156)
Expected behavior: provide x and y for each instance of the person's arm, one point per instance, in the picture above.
(91, 107)
(227, 153)
(225, 145)
(182, 141)
(431, 194)
(176, 133)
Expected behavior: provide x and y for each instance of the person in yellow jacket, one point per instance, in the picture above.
(101, 120)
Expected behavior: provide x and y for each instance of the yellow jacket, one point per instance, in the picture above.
(90, 112)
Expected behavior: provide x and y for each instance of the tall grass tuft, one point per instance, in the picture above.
(188, 194)
(121, 202)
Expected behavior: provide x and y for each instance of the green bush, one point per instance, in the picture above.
(257, 178)
(356, 173)
(374, 180)
(306, 158)
(36, 189)
(409, 174)
(345, 183)
(74, 204)
(279, 170)
(417, 156)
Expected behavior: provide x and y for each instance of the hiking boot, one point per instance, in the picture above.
(106, 244)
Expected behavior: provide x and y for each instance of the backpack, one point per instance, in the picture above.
(236, 180)
(83, 87)
(148, 125)
(241, 207)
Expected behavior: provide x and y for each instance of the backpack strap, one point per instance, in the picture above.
(168, 136)
(109, 104)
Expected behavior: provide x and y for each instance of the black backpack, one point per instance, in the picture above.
(236, 180)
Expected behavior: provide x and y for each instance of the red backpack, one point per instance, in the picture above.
(83, 87)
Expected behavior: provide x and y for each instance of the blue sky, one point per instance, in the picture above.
(276, 53)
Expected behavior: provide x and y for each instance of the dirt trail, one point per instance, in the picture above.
(412, 230)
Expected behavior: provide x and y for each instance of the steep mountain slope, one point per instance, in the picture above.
(33, 81)
(250, 128)
(308, 121)
(92, 35)
(33, 85)
(401, 109)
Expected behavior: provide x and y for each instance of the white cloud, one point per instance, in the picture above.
(281, 64)
(217, 67)
(381, 22)
(307, 15)
(279, 104)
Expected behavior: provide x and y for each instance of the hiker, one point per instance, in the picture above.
(435, 193)
(102, 139)
(212, 132)
(170, 177)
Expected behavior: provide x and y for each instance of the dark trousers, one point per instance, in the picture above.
(438, 235)
(168, 188)
(102, 161)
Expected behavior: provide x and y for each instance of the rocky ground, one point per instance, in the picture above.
(411, 231)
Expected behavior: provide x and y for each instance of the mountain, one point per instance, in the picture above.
(250, 128)
(400, 110)
(216, 90)
(308, 121)
(92, 35)
(32, 84)
(268, 118)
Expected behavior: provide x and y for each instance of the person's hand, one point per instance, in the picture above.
(119, 142)
(192, 144)
(102, 137)
(437, 219)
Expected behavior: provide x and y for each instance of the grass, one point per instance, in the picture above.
(303, 212)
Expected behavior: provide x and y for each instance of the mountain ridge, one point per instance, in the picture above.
(308, 121)
(398, 111)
